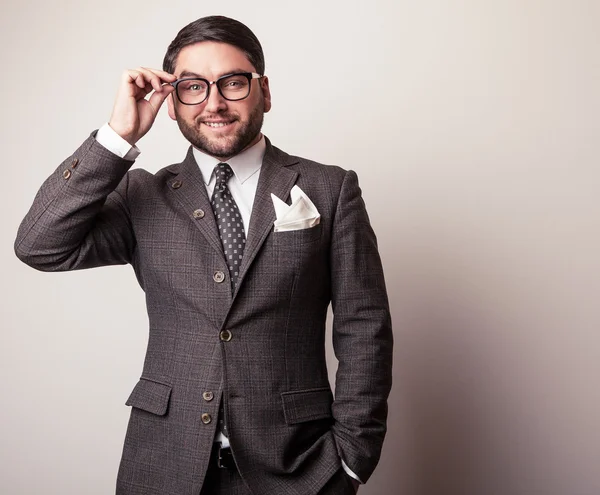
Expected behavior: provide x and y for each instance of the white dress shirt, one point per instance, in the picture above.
(246, 170)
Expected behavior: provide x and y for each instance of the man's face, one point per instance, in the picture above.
(219, 127)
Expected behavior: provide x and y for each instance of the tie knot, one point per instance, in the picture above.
(223, 173)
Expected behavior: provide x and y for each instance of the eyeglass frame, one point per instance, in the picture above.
(249, 75)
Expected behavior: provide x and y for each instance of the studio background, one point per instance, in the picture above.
(473, 127)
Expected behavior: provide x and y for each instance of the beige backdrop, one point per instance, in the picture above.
(473, 126)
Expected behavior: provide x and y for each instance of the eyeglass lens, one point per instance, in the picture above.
(194, 91)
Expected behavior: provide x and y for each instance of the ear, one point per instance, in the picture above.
(171, 106)
(264, 87)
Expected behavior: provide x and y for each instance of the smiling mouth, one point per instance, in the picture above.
(217, 125)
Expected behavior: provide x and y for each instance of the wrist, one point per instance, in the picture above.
(113, 142)
(125, 134)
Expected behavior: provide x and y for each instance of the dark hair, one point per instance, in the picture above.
(217, 28)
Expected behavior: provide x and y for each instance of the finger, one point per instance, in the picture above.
(143, 79)
(136, 77)
(158, 97)
(157, 77)
(151, 78)
(164, 76)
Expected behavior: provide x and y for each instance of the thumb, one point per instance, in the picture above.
(158, 97)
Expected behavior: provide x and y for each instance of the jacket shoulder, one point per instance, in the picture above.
(140, 180)
(310, 167)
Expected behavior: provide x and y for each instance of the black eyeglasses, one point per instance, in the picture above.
(232, 87)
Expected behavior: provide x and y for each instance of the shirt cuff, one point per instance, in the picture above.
(222, 439)
(350, 473)
(114, 143)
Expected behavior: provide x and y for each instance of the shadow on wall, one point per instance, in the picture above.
(449, 424)
(445, 432)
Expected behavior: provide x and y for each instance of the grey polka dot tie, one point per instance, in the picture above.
(229, 222)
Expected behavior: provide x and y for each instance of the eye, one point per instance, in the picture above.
(233, 83)
(193, 86)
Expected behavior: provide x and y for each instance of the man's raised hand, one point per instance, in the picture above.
(132, 114)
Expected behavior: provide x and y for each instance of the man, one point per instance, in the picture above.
(240, 249)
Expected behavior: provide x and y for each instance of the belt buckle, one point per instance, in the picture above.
(225, 458)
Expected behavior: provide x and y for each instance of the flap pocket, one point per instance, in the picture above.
(307, 405)
(150, 396)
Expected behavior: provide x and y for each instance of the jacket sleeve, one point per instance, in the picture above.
(79, 217)
(362, 334)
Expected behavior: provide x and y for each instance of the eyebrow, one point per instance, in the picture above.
(187, 73)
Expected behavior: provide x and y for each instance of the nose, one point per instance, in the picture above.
(215, 103)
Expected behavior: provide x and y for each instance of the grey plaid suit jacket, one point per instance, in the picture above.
(287, 431)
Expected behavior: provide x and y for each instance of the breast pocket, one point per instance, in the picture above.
(296, 239)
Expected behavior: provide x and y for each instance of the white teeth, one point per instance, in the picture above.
(216, 124)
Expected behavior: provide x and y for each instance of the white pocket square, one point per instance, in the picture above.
(301, 214)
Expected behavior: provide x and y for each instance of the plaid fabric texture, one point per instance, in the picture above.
(261, 348)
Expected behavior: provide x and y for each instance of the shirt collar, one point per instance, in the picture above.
(244, 164)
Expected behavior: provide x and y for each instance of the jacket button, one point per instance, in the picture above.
(219, 276)
(198, 213)
(225, 335)
(206, 418)
(74, 162)
(66, 174)
(176, 184)
(208, 396)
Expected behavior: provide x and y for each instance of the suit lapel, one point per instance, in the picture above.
(189, 189)
(187, 185)
(274, 178)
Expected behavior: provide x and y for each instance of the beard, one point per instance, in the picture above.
(228, 146)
